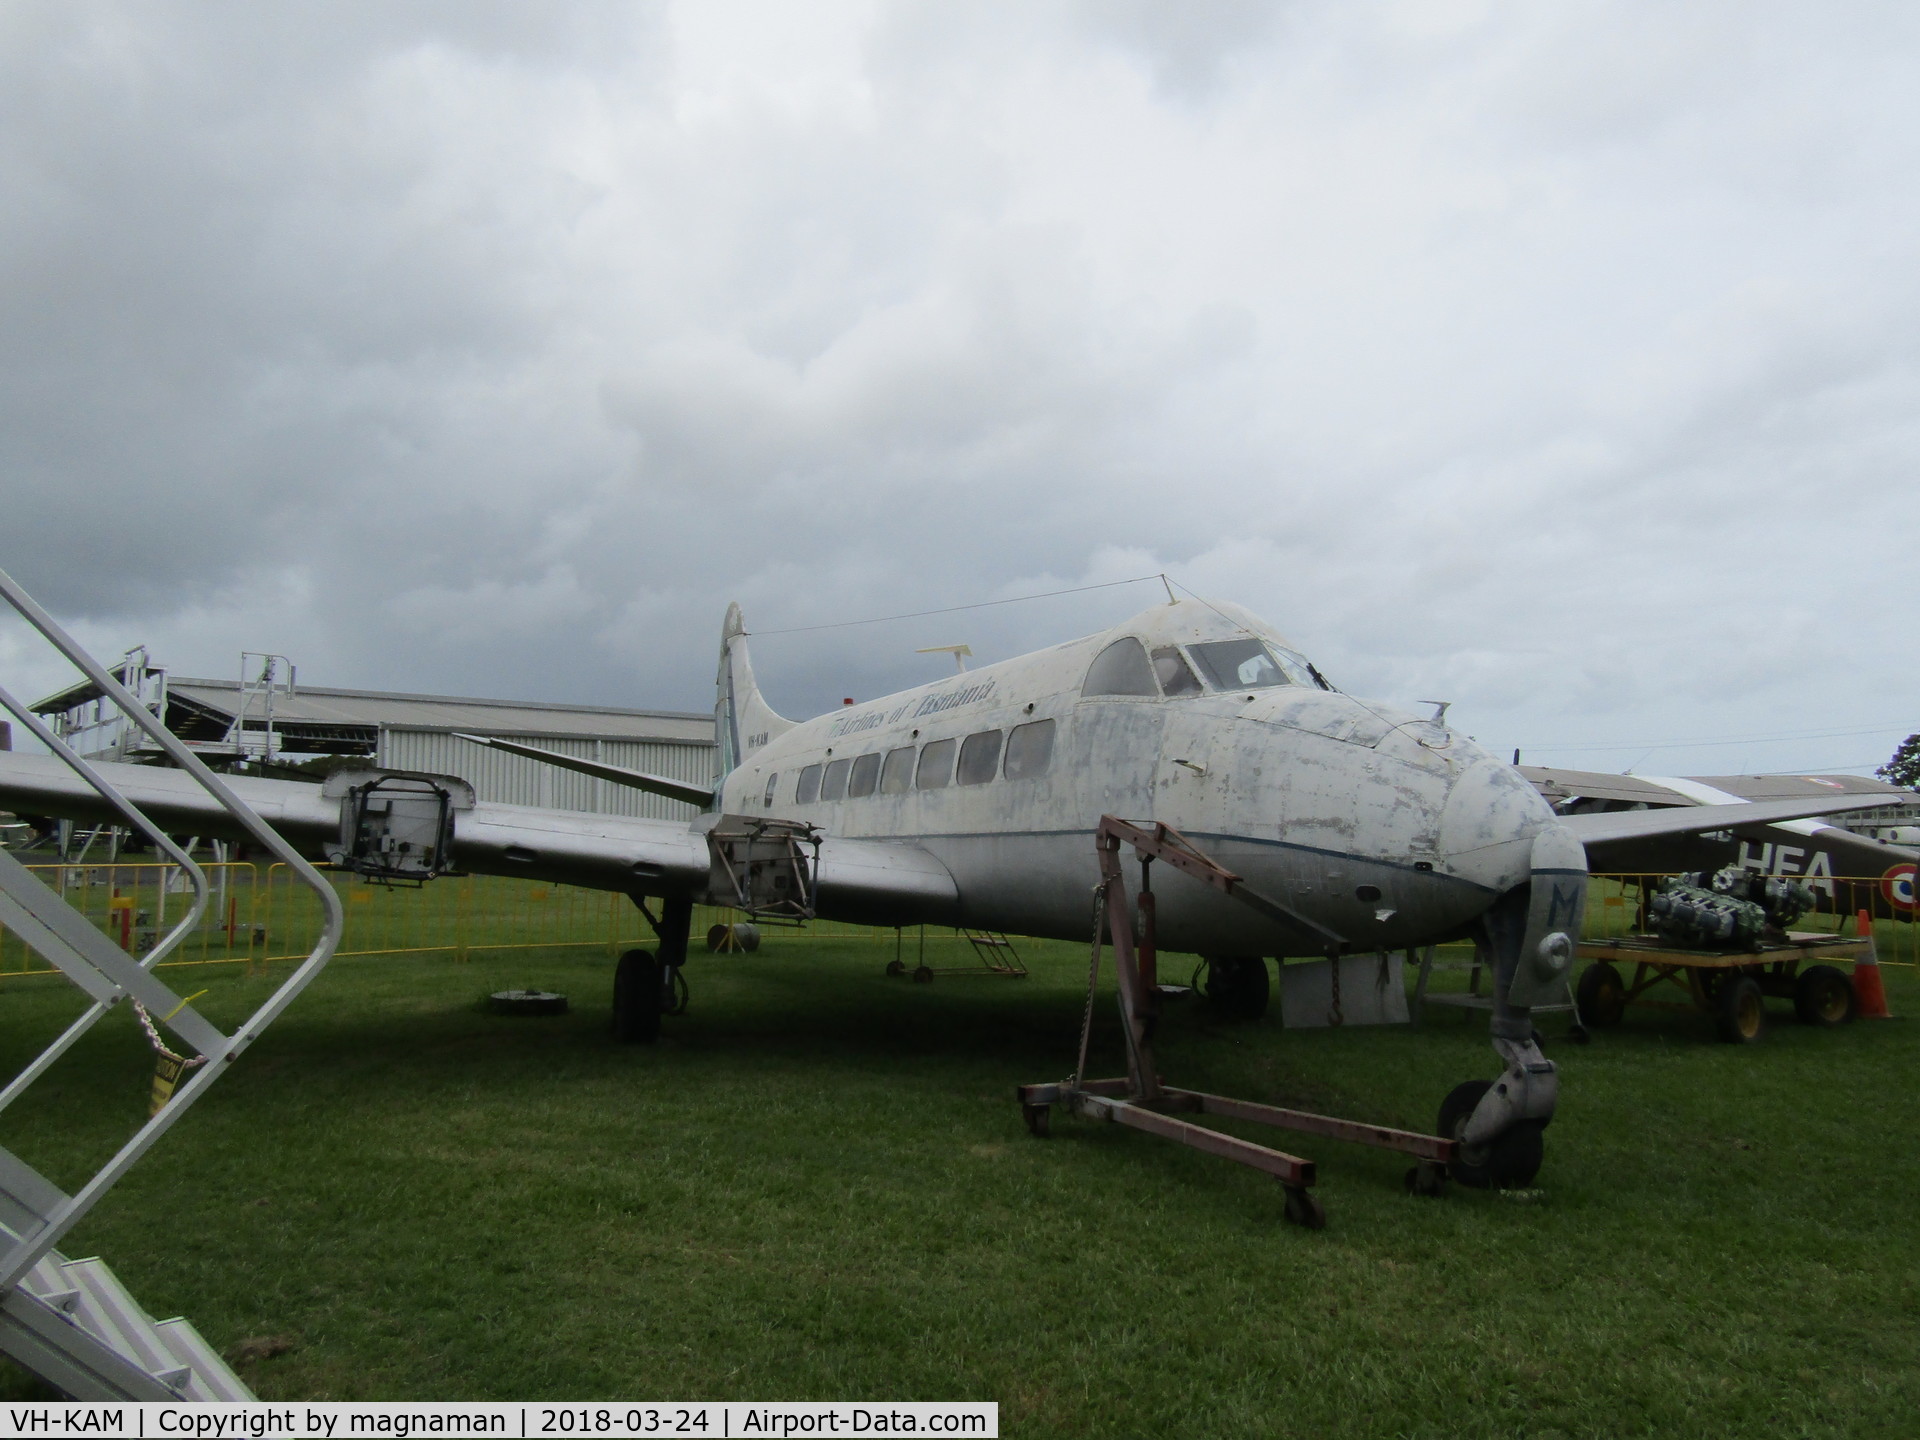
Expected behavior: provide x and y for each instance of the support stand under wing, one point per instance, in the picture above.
(1141, 1101)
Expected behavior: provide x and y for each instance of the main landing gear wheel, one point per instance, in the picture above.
(1039, 1120)
(1237, 985)
(636, 999)
(1824, 996)
(1428, 1178)
(1508, 1162)
(1304, 1208)
(1738, 1013)
(1602, 995)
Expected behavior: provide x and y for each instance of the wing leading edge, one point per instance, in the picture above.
(1614, 826)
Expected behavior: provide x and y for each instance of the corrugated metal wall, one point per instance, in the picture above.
(510, 780)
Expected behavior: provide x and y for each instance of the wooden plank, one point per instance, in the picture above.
(1835, 948)
(1332, 1127)
(1288, 1169)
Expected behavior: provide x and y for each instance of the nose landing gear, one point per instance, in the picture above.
(1508, 1161)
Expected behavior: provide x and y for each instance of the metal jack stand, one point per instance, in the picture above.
(1141, 1100)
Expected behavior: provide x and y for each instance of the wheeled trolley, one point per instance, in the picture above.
(1730, 986)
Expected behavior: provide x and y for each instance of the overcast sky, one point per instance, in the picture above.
(1561, 361)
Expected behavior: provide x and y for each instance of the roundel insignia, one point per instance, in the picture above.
(1896, 887)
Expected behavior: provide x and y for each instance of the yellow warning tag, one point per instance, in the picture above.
(167, 1070)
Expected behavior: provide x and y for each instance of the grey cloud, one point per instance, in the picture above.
(1492, 351)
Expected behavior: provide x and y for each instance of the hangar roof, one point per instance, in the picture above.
(323, 718)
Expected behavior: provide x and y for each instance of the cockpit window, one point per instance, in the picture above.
(1173, 673)
(1121, 669)
(1251, 665)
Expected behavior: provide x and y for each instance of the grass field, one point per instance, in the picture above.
(818, 1186)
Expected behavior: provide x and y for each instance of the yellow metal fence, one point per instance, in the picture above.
(260, 914)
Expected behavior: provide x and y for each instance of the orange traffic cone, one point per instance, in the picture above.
(1867, 989)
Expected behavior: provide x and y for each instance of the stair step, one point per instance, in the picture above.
(211, 1377)
(90, 1297)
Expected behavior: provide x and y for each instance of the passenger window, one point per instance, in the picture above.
(866, 773)
(936, 766)
(1029, 748)
(808, 790)
(896, 777)
(772, 780)
(1174, 674)
(979, 758)
(1120, 669)
(834, 786)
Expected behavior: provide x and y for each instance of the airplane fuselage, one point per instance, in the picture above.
(1386, 827)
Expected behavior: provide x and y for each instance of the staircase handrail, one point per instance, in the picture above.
(22, 1256)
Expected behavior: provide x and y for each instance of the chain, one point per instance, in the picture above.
(1093, 977)
(159, 1045)
(1334, 1015)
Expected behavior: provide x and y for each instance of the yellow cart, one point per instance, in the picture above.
(1727, 985)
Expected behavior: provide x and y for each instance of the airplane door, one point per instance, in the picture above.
(1192, 775)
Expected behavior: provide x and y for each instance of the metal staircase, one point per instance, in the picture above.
(70, 1321)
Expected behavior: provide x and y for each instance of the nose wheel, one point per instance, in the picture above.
(1509, 1161)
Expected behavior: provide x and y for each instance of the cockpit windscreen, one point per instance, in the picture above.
(1251, 665)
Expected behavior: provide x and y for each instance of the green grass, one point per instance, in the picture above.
(818, 1186)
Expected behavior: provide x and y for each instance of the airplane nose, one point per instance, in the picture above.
(1488, 823)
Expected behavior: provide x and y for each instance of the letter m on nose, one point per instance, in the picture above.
(1564, 906)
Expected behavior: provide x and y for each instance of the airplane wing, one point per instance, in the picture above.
(701, 795)
(869, 881)
(1616, 826)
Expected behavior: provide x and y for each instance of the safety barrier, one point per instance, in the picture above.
(260, 916)
(1616, 907)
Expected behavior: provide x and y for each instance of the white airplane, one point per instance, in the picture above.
(1351, 826)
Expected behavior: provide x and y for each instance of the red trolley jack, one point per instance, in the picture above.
(1141, 1101)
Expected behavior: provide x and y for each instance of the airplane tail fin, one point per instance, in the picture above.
(742, 719)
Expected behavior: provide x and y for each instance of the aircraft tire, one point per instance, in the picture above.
(1238, 986)
(1739, 1012)
(636, 999)
(1512, 1159)
(1602, 995)
(1823, 996)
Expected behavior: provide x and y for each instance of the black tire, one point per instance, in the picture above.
(1238, 986)
(1739, 1012)
(1039, 1120)
(636, 999)
(720, 939)
(1508, 1163)
(1602, 995)
(1823, 995)
(896, 967)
